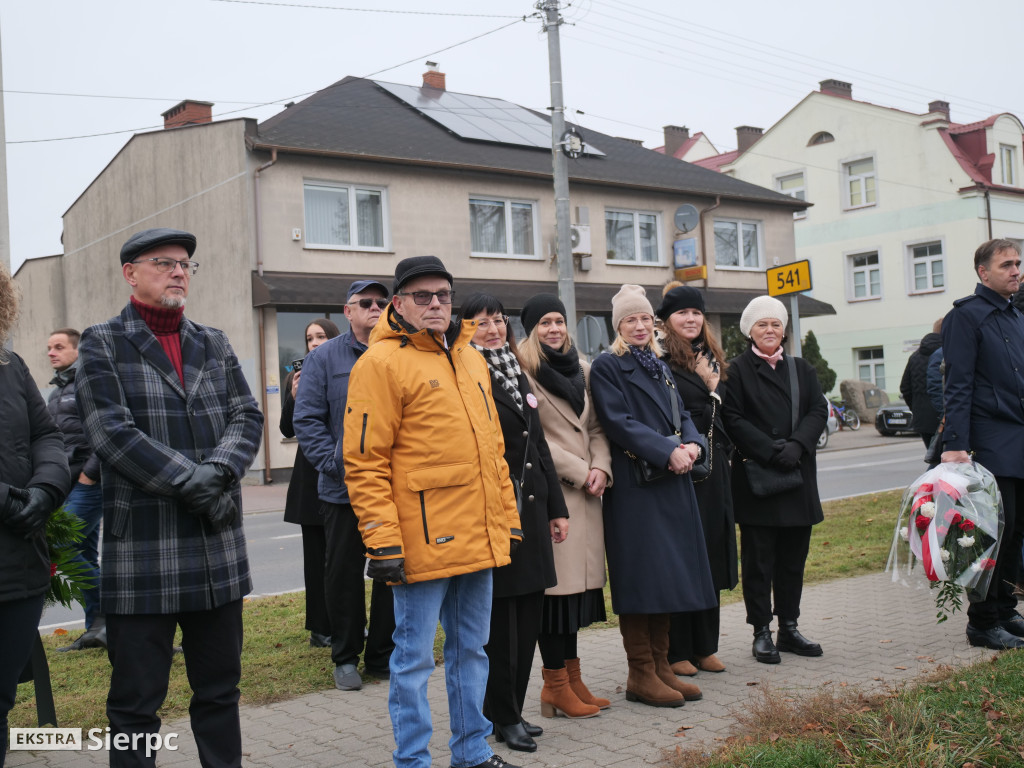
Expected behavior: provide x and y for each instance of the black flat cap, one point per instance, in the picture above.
(418, 266)
(148, 239)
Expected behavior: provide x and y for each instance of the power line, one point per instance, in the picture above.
(368, 10)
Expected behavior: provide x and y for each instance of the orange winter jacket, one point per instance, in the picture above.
(424, 454)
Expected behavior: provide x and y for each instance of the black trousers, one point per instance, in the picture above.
(314, 561)
(140, 648)
(346, 595)
(19, 622)
(1000, 603)
(773, 561)
(693, 635)
(515, 625)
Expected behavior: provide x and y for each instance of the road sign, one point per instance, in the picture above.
(789, 278)
(688, 274)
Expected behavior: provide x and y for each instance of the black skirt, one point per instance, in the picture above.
(567, 614)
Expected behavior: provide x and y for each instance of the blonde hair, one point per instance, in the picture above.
(10, 301)
(620, 346)
(531, 351)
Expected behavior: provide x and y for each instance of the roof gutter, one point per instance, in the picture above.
(267, 479)
(988, 211)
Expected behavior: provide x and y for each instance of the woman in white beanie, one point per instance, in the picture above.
(657, 560)
(775, 531)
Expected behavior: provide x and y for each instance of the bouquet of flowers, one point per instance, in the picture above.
(67, 576)
(951, 520)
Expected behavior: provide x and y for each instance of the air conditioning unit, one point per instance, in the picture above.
(579, 236)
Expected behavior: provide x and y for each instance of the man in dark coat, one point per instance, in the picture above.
(914, 386)
(165, 405)
(983, 344)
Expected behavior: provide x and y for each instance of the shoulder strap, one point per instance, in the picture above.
(794, 388)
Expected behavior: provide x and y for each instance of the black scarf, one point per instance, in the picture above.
(563, 375)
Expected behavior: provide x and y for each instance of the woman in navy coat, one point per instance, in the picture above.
(657, 561)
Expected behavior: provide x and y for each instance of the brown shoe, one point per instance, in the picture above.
(659, 624)
(684, 668)
(710, 663)
(557, 698)
(572, 666)
(643, 684)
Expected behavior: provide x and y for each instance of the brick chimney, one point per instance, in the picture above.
(188, 112)
(433, 78)
(675, 137)
(939, 106)
(746, 135)
(837, 88)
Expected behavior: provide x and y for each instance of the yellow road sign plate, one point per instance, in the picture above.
(789, 278)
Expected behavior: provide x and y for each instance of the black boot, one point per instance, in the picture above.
(764, 649)
(792, 641)
(94, 637)
(515, 736)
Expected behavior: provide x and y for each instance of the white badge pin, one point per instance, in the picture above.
(531, 400)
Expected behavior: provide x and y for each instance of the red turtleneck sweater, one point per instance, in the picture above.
(165, 325)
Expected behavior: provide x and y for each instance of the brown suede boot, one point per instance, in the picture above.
(710, 663)
(658, 624)
(643, 684)
(684, 667)
(580, 689)
(557, 698)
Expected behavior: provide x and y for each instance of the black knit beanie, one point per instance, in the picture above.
(536, 307)
(681, 297)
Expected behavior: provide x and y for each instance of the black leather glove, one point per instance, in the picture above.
(29, 509)
(223, 513)
(513, 545)
(201, 492)
(389, 571)
(788, 456)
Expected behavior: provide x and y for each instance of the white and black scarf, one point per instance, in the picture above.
(505, 370)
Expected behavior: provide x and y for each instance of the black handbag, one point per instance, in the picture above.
(769, 481)
(645, 473)
(700, 472)
(934, 451)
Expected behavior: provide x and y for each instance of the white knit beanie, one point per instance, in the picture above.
(628, 301)
(759, 309)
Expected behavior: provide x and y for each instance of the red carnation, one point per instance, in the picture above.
(922, 522)
(987, 564)
(53, 570)
(966, 525)
(954, 517)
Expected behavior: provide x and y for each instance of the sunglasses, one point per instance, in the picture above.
(367, 303)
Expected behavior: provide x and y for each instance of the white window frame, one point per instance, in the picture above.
(1008, 164)
(911, 260)
(509, 252)
(850, 271)
(759, 225)
(353, 219)
(845, 178)
(799, 193)
(873, 363)
(636, 213)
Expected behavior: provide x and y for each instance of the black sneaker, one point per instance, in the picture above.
(996, 638)
(1014, 625)
(494, 761)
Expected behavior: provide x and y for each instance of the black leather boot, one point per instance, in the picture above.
(764, 649)
(94, 637)
(792, 641)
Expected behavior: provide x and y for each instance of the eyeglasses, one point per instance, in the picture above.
(634, 320)
(367, 303)
(168, 265)
(498, 322)
(423, 298)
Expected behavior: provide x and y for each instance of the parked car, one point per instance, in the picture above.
(831, 425)
(894, 419)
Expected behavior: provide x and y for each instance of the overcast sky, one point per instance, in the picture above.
(73, 69)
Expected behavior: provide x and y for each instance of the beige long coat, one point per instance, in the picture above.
(577, 444)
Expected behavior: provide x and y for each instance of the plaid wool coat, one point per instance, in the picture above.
(150, 433)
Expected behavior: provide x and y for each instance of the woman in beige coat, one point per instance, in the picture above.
(560, 382)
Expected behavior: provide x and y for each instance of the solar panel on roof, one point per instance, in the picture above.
(479, 118)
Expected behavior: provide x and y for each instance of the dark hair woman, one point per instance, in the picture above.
(775, 531)
(560, 381)
(698, 367)
(301, 505)
(34, 479)
(519, 587)
(657, 561)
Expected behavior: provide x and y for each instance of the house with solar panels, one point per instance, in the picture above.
(344, 184)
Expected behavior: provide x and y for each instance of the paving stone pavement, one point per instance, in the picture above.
(874, 633)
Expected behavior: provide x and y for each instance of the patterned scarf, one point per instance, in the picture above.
(647, 360)
(707, 367)
(505, 369)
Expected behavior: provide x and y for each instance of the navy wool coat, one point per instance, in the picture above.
(657, 559)
(150, 433)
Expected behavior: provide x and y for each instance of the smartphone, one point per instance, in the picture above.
(297, 364)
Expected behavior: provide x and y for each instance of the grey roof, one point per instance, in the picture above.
(357, 118)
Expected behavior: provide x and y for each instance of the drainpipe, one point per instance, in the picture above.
(988, 212)
(263, 334)
(703, 239)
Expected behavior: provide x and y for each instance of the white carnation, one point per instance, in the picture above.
(965, 541)
(905, 534)
(927, 509)
(944, 554)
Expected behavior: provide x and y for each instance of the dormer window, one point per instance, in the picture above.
(821, 137)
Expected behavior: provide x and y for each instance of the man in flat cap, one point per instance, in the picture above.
(425, 469)
(164, 403)
(318, 421)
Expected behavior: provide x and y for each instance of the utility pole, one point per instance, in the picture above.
(5, 234)
(566, 286)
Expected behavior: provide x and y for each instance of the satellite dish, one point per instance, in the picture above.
(686, 218)
(572, 142)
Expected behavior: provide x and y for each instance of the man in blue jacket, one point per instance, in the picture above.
(983, 344)
(318, 421)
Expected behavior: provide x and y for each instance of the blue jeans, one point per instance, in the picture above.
(86, 503)
(463, 604)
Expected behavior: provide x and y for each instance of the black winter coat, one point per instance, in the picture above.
(914, 385)
(301, 505)
(757, 412)
(31, 455)
(533, 565)
(714, 494)
(62, 407)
